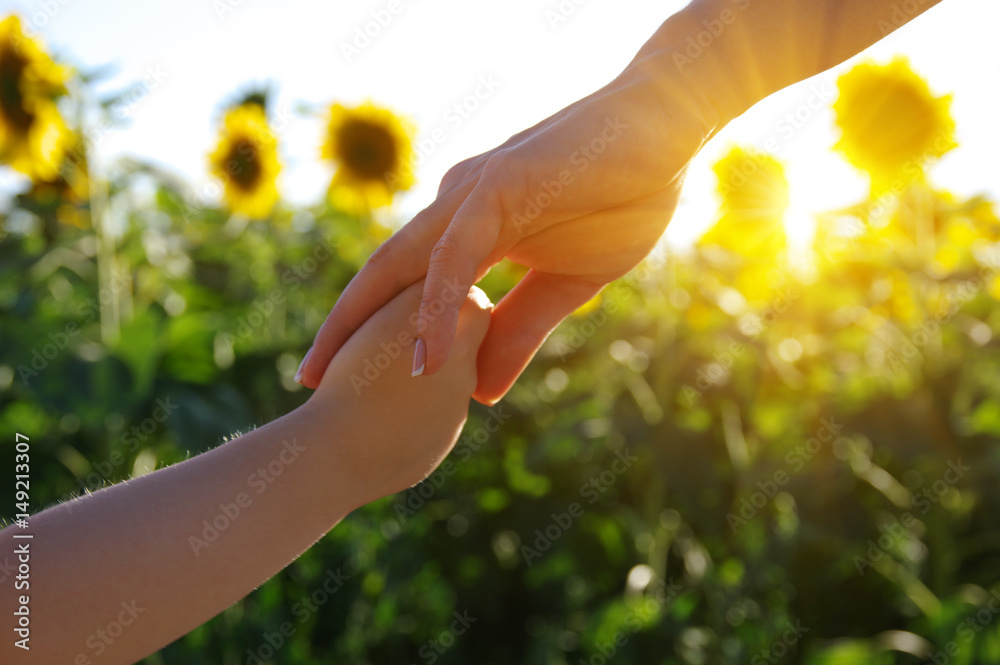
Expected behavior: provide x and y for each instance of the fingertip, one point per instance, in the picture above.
(492, 385)
(479, 298)
(438, 321)
(436, 352)
(474, 320)
(302, 366)
(329, 338)
(326, 344)
(486, 399)
(310, 378)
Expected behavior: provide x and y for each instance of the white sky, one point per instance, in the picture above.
(433, 53)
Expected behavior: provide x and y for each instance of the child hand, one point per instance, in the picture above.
(391, 429)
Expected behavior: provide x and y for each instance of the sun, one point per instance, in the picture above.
(818, 182)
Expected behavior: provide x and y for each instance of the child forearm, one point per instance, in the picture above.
(165, 552)
(161, 554)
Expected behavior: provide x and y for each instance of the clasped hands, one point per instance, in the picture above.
(580, 199)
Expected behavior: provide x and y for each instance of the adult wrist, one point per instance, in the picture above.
(705, 49)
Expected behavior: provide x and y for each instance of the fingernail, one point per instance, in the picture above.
(298, 374)
(419, 358)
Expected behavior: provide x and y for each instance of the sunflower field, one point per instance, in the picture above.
(746, 452)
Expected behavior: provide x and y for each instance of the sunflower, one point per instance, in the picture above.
(246, 160)
(754, 194)
(32, 132)
(70, 189)
(892, 126)
(373, 151)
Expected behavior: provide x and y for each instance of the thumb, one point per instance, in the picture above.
(455, 265)
(521, 323)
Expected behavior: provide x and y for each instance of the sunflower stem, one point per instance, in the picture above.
(109, 291)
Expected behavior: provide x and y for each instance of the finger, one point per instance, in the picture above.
(473, 322)
(521, 323)
(455, 265)
(395, 265)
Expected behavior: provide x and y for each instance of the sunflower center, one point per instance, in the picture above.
(12, 67)
(368, 150)
(243, 165)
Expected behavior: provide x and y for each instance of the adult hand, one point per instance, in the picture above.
(579, 198)
(584, 195)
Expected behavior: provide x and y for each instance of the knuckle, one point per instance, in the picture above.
(381, 257)
(451, 260)
(505, 182)
(446, 250)
(498, 167)
(456, 174)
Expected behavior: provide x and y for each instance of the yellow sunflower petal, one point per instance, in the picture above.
(246, 161)
(33, 136)
(372, 149)
(892, 126)
(754, 194)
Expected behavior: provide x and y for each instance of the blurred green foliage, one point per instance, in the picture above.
(699, 467)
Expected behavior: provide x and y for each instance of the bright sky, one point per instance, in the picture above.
(433, 54)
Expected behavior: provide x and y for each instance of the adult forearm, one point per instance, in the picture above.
(124, 571)
(737, 52)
